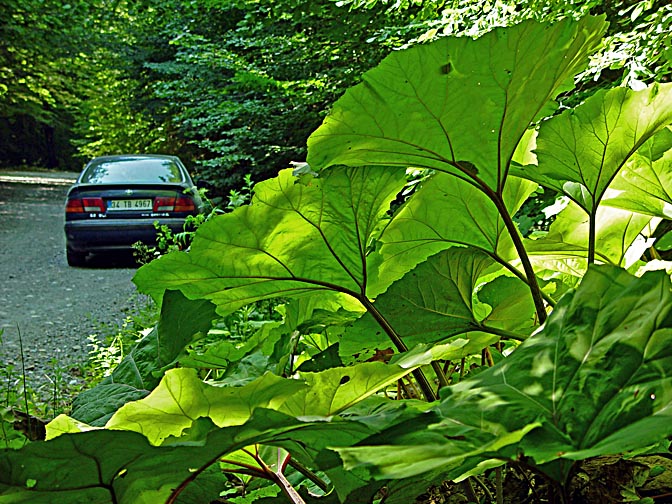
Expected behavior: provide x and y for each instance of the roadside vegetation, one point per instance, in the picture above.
(462, 294)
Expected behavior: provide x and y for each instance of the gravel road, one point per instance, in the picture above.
(54, 307)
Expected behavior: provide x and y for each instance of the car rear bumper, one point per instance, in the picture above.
(115, 234)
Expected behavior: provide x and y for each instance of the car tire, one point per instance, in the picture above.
(75, 258)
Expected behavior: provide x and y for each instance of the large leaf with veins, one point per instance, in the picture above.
(182, 397)
(445, 212)
(438, 300)
(581, 151)
(595, 380)
(456, 105)
(103, 466)
(644, 184)
(621, 239)
(299, 236)
(197, 424)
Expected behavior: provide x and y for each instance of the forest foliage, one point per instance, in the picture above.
(236, 87)
(416, 336)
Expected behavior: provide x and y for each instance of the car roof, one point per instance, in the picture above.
(129, 157)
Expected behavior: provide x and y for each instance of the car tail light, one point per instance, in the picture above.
(85, 205)
(172, 204)
(74, 206)
(164, 204)
(93, 204)
(184, 204)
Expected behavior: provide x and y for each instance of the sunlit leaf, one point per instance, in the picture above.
(64, 424)
(565, 246)
(298, 236)
(181, 397)
(644, 185)
(581, 150)
(447, 211)
(596, 380)
(435, 301)
(455, 105)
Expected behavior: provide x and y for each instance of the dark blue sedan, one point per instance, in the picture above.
(117, 199)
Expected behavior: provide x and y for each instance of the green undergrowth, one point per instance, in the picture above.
(112, 341)
(46, 398)
(29, 403)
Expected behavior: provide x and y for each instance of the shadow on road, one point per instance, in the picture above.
(111, 260)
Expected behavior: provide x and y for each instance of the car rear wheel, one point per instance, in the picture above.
(75, 258)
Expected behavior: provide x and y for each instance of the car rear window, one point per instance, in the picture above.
(133, 170)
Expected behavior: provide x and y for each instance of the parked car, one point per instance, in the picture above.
(117, 199)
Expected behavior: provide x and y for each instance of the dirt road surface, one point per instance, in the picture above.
(52, 306)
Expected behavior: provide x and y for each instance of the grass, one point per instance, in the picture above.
(25, 407)
(112, 341)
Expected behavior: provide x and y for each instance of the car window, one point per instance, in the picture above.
(134, 170)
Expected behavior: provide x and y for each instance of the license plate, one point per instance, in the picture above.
(130, 204)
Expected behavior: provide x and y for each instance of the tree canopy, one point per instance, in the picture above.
(235, 87)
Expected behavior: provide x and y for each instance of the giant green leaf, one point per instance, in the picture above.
(596, 380)
(618, 236)
(456, 105)
(103, 466)
(644, 185)
(181, 322)
(298, 236)
(435, 301)
(444, 212)
(581, 150)
(182, 397)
